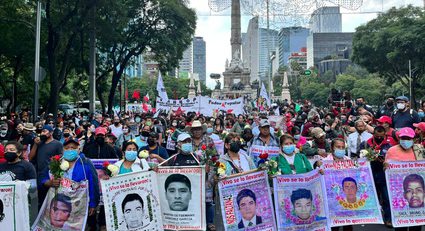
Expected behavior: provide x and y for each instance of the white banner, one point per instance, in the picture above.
(14, 203)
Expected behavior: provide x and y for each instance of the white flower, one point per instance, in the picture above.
(114, 169)
(363, 153)
(64, 165)
(221, 171)
(143, 154)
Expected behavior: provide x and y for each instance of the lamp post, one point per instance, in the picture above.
(37, 62)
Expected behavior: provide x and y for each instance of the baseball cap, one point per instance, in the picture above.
(406, 132)
(264, 123)
(183, 137)
(385, 119)
(404, 98)
(317, 132)
(196, 124)
(71, 141)
(420, 125)
(100, 131)
(48, 128)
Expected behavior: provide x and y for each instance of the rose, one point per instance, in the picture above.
(64, 165)
(114, 169)
(204, 147)
(105, 164)
(363, 153)
(143, 154)
(56, 157)
(214, 159)
(264, 155)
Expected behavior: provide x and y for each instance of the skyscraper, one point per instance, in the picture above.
(326, 19)
(186, 63)
(199, 58)
(291, 39)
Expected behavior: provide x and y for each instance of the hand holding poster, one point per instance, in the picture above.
(131, 202)
(64, 209)
(300, 202)
(182, 191)
(246, 202)
(405, 182)
(351, 194)
(14, 214)
(257, 150)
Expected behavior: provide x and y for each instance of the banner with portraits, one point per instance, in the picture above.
(65, 208)
(246, 202)
(257, 150)
(300, 202)
(351, 193)
(406, 191)
(101, 174)
(219, 146)
(14, 210)
(182, 195)
(131, 202)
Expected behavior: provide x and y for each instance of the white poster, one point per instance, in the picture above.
(131, 202)
(14, 210)
(182, 193)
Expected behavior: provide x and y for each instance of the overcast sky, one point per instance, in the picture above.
(215, 27)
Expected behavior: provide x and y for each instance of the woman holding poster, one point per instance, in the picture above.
(290, 160)
(131, 163)
(235, 161)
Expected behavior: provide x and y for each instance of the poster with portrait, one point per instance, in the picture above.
(257, 150)
(101, 174)
(182, 195)
(65, 208)
(131, 202)
(219, 146)
(351, 193)
(405, 183)
(300, 202)
(246, 202)
(14, 210)
(277, 122)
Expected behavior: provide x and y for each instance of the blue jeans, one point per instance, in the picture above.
(209, 210)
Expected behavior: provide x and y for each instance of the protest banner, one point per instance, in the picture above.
(185, 105)
(351, 194)
(131, 202)
(300, 202)
(256, 150)
(246, 202)
(14, 214)
(137, 107)
(219, 146)
(65, 208)
(405, 183)
(277, 122)
(101, 174)
(182, 191)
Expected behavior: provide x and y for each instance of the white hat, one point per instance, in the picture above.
(182, 137)
(196, 124)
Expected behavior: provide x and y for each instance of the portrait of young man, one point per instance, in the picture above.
(178, 191)
(413, 187)
(302, 201)
(247, 204)
(60, 211)
(132, 209)
(349, 187)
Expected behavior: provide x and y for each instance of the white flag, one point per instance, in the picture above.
(161, 89)
(263, 93)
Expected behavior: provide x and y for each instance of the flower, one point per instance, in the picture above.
(204, 147)
(221, 171)
(214, 159)
(64, 165)
(143, 154)
(363, 153)
(105, 164)
(222, 166)
(264, 155)
(114, 169)
(56, 157)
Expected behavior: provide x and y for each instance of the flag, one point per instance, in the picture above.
(146, 97)
(126, 94)
(263, 93)
(136, 95)
(161, 89)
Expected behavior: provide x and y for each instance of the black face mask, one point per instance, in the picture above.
(390, 103)
(100, 140)
(181, 127)
(116, 123)
(10, 156)
(151, 142)
(235, 146)
(379, 140)
(145, 133)
(66, 135)
(43, 138)
(247, 138)
(38, 130)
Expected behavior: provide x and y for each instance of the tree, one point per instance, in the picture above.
(386, 44)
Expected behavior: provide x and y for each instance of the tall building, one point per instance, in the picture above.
(199, 58)
(291, 39)
(186, 63)
(326, 19)
(136, 67)
(256, 43)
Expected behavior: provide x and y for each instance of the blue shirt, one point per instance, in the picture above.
(159, 150)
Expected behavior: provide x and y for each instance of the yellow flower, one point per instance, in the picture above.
(64, 165)
(221, 171)
(114, 169)
(242, 140)
(222, 166)
(143, 154)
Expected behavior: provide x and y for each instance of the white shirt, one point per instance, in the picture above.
(214, 137)
(352, 140)
(253, 220)
(290, 160)
(116, 130)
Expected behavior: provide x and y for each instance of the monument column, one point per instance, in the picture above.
(236, 38)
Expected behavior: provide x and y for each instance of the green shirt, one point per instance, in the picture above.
(301, 164)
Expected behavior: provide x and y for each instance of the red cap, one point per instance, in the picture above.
(406, 132)
(385, 119)
(420, 125)
(100, 131)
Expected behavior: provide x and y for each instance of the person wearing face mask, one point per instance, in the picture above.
(157, 153)
(290, 160)
(235, 160)
(184, 155)
(16, 167)
(130, 162)
(404, 116)
(355, 139)
(338, 152)
(80, 169)
(239, 125)
(116, 127)
(99, 149)
(125, 136)
(388, 108)
(361, 103)
(210, 132)
(405, 150)
(318, 146)
(421, 114)
(4, 132)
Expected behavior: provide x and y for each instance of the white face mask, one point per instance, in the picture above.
(400, 106)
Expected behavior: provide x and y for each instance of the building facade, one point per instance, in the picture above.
(186, 63)
(326, 19)
(291, 39)
(200, 58)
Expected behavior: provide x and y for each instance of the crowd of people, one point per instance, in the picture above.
(395, 130)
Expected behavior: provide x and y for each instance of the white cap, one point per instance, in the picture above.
(183, 137)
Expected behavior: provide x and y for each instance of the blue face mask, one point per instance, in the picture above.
(406, 144)
(421, 114)
(209, 130)
(187, 147)
(288, 149)
(70, 155)
(297, 137)
(339, 153)
(130, 155)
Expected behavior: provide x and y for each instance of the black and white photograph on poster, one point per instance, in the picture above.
(14, 210)
(131, 202)
(182, 193)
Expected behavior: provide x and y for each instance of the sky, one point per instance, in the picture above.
(215, 27)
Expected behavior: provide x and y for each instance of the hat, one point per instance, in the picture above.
(50, 114)
(75, 141)
(182, 137)
(48, 128)
(196, 124)
(264, 123)
(317, 132)
(29, 127)
(385, 119)
(154, 135)
(404, 98)
(100, 131)
(406, 131)
(420, 125)
(111, 135)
